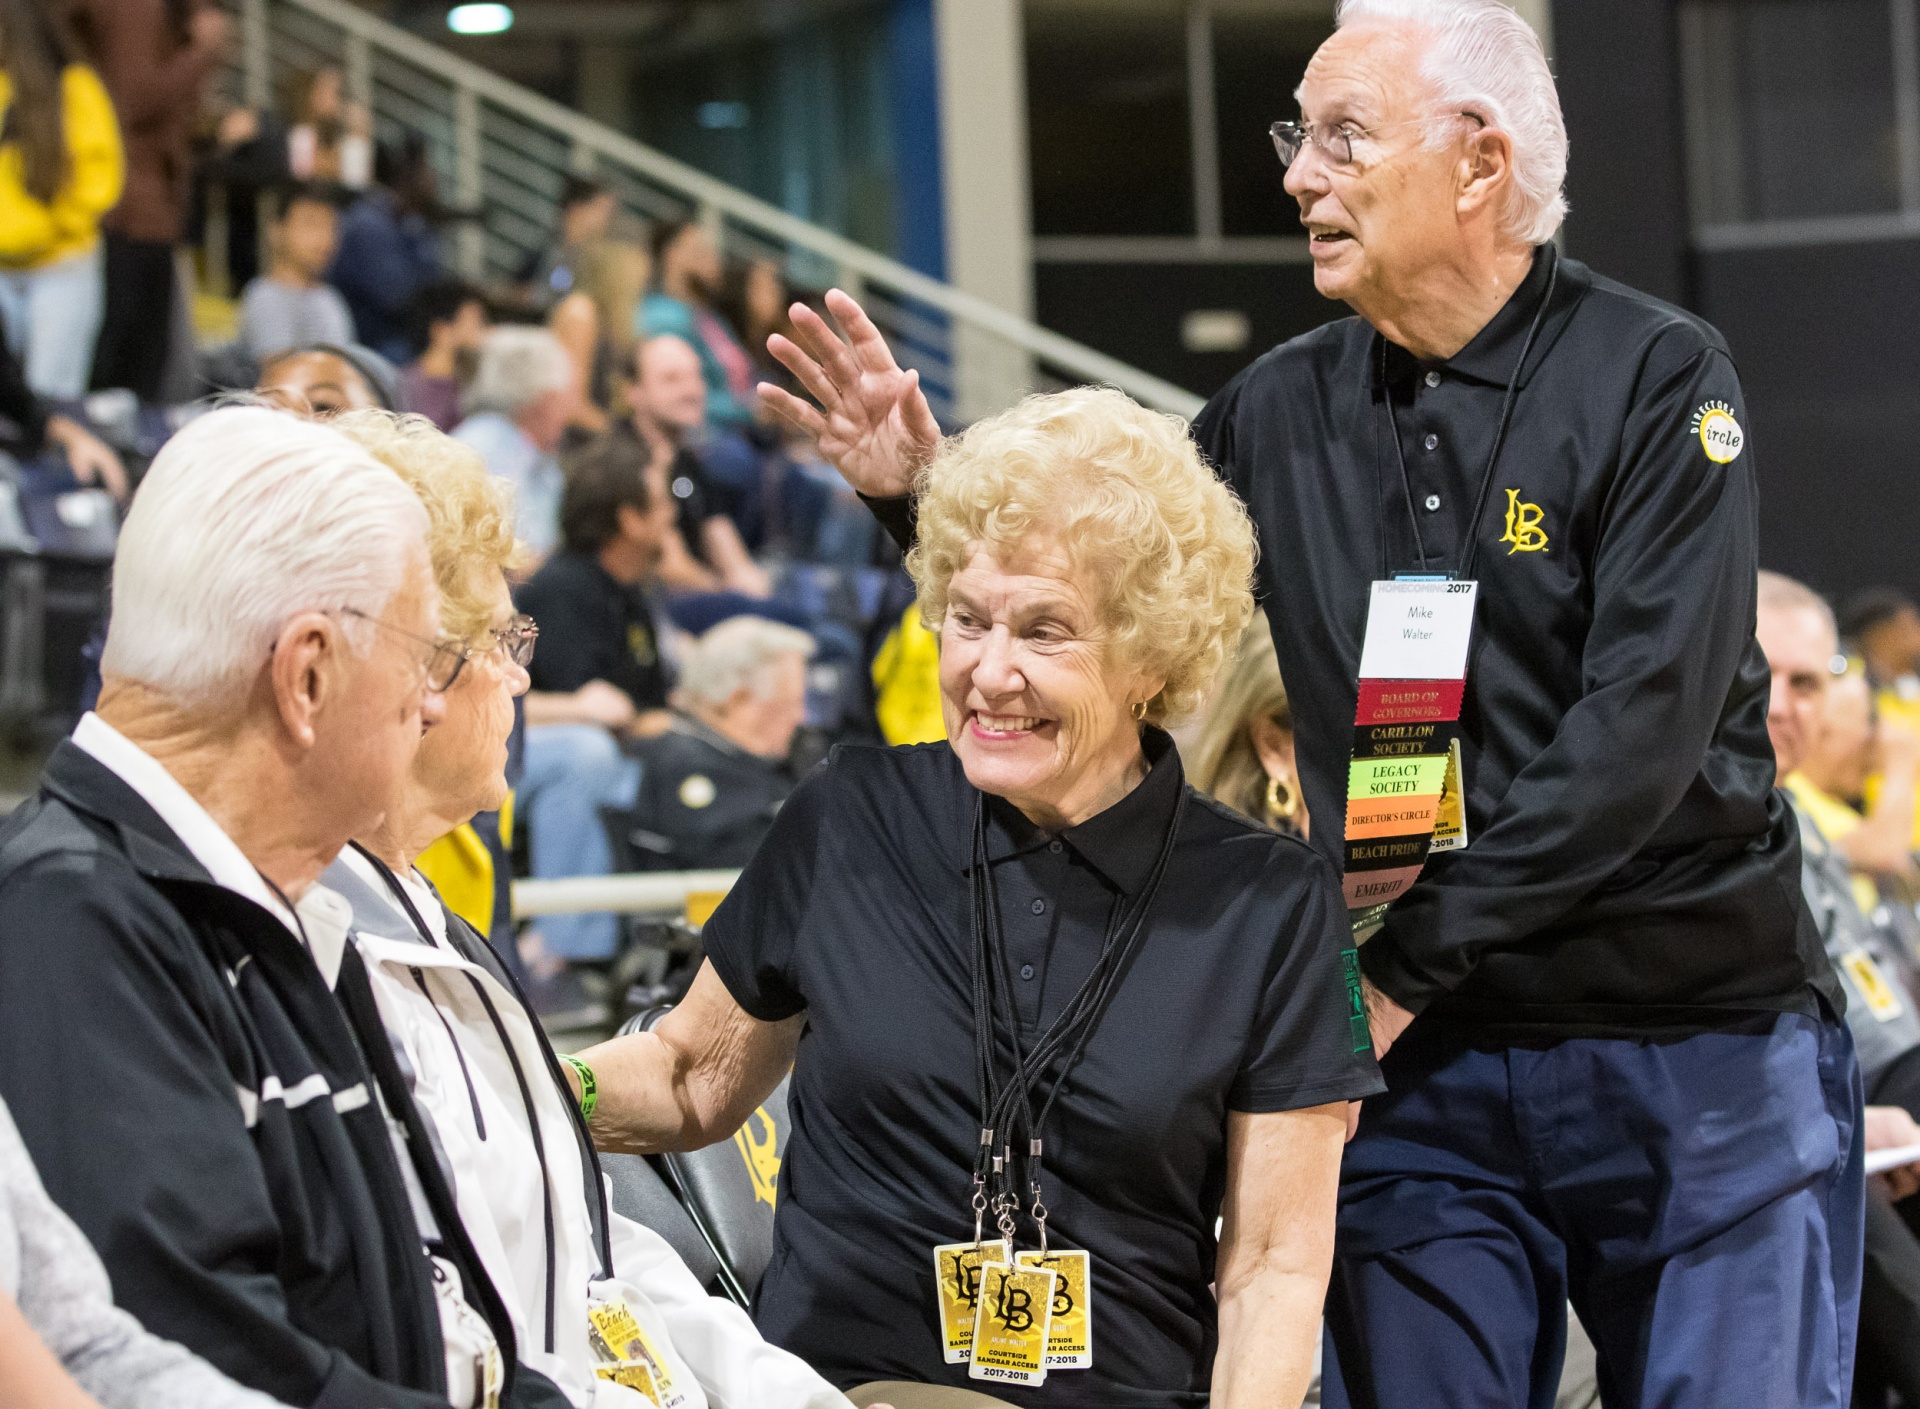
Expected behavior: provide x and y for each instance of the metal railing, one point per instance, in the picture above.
(505, 151)
(637, 893)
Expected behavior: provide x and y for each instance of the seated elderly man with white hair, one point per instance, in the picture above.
(524, 393)
(711, 785)
(188, 1044)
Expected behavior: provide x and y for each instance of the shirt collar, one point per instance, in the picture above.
(1490, 356)
(1122, 842)
(320, 921)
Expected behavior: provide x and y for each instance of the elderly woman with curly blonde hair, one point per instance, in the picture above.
(1037, 993)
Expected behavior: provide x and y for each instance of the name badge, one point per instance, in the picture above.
(1405, 785)
(1418, 630)
(1070, 1336)
(956, 1282)
(1010, 1331)
(637, 1362)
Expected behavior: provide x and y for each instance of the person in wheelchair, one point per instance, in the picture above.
(601, 1306)
(711, 785)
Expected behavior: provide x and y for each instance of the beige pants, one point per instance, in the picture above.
(903, 1394)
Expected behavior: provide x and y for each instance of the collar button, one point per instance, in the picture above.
(1433, 379)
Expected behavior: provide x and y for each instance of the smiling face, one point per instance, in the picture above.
(1035, 709)
(1376, 225)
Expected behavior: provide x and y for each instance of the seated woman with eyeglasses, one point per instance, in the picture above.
(579, 1282)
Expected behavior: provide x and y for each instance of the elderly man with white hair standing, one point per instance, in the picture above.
(1508, 533)
(188, 1044)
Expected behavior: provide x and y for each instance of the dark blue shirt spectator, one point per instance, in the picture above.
(388, 253)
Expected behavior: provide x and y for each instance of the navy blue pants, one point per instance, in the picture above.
(1699, 1200)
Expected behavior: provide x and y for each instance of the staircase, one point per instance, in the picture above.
(504, 150)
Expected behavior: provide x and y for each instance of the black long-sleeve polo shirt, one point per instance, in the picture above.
(1630, 867)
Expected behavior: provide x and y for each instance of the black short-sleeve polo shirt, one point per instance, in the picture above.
(856, 912)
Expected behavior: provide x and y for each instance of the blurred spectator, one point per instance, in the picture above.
(1244, 754)
(687, 267)
(155, 57)
(1796, 630)
(575, 322)
(291, 303)
(597, 675)
(906, 683)
(331, 139)
(711, 785)
(1845, 744)
(668, 404)
(596, 321)
(63, 1343)
(388, 250)
(61, 169)
(318, 380)
(450, 324)
(756, 301)
(247, 159)
(1885, 624)
(519, 405)
(586, 215)
(32, 428)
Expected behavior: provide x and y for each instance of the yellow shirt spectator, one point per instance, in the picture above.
(35, 233)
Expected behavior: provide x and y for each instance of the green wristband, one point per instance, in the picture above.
(589, 1088)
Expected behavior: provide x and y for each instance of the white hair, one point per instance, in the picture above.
(518, 366)
(738, 654)
(1484, 59)
(246, 518)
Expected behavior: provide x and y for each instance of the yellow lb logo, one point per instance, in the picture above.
(1523, 526)
(759, 1144)
(1720, 434)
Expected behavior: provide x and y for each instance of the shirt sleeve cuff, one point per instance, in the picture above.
(1356, 1085)
(898, 515)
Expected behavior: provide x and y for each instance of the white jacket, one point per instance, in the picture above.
(449, 1017)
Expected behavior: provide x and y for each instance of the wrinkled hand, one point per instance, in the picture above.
(90, 458)
(604, 704)
(1888, 1128)
(1386, 1019)
(873, 422)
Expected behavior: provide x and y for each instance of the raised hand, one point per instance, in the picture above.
(873, 422)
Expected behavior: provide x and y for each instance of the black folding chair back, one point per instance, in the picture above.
(729, 1188)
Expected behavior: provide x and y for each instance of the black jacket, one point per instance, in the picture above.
(704, 801)
(1629, 864)
(197, 1100)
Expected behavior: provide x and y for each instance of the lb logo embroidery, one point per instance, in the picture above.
(1720, 434)
(1523, 526)
(759, 1148)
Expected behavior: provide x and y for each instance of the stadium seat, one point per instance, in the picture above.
(641, 1194)
(728, 1189)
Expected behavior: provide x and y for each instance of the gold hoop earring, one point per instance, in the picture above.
(1282, 801)
(1139, 710)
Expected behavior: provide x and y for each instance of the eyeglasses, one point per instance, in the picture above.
(514, 640)
(1336, 144)
(440, 661)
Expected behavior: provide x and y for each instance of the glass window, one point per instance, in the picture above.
(1259, 57)
(1790, 109)
(1107, 133)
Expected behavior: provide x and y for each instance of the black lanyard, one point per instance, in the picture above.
(1006, 1109)
(1499, 437)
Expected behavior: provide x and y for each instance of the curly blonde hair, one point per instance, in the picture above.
(469, 512)
(1167, 545)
